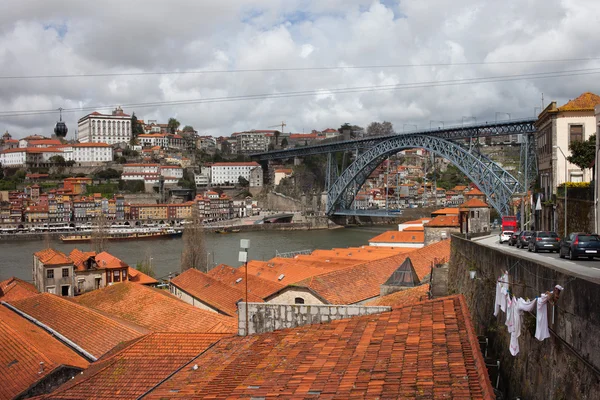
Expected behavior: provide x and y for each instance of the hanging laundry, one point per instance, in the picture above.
(511, 303)
(504, 291)
(498, 296)
(518, 309)
(541, 326)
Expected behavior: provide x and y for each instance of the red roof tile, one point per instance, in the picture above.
(140, 278)
(426, 350)
(108, 261)
(234, 277)
(212, 292)
(23, 345)
(16, 289)
(52, 257)
(402, 298)
(137, 367)
(399, 237)
(362, 282)
(93, 332)
(473, 203)
(441, 221)
(586, 102)
(446, 211)
(155, 309)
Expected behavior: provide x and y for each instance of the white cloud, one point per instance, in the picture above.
(41, 37)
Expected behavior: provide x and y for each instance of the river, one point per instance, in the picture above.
(16, 257)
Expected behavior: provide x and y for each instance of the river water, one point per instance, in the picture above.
(16, 257)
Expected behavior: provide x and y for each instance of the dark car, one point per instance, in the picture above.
(523, 239)
(544, 240)
(512, 240)
(580, 245)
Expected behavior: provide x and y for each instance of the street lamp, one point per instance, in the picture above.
(243, 257)
(439, 122)
(566, 170)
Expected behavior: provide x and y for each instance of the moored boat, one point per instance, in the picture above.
(124, 235)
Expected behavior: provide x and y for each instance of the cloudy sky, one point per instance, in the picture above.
(447, 51)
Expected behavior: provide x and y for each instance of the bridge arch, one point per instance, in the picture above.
(496, 183)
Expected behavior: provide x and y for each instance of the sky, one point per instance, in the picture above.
(353, 60)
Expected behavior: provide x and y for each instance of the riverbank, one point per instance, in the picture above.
(301, 226)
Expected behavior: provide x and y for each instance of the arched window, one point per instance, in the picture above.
(299, 300)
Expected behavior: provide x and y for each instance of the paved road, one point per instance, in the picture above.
(585, 269)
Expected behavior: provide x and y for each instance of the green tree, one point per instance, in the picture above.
(173, 125)
(136, 127)
(583, 153)
(58, 160)
(188, 129)
(145, 266)
(243, 182)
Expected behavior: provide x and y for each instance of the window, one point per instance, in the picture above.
(575, 133)
(65, 272)
(116, 276)
(298, 300)
(50, 274)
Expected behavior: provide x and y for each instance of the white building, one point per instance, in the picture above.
(90, 153)
(154, 139)
(13, 157)
(229, 173)
(134, 172)
(171, 171)
(203, 178)
(103, 128)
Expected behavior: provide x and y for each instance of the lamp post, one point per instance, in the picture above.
(243, 257)
(566, 171)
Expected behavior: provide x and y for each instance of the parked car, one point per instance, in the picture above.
(580, 245)
(523, 239)
(512, 240)
(505, 235)
(543, 240)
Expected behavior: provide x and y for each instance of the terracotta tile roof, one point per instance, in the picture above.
(474, 192)
(399, 237)
(423, 351)
(459, 188)
(444, 221)
(155, 310)
(362, 282)
(446, 211)
(23, 345)
(108, 261)
(140, 278)
(473, 203)
(52, 257)
(234, 277)
(16, 289)
(419, 221)
(402, 298)
(137, 367)
(212, 292)
(90, 330)
(586, 102)
(413, 229)
(78, 257)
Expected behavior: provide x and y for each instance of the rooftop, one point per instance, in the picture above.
(446, 211)
(212, 292)
(155, 310)
(52, 257)
(16, 289)
(425, 350)
(23, 345)
(234, 277)
(362, 282)
(401, 298)
(94, 332)
(441, 221)
(474, 203)
(136, 367)
(586, 102)
(399, 237)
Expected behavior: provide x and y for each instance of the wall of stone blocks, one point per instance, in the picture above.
(265, 317)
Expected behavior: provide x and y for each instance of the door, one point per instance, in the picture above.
(64, 290)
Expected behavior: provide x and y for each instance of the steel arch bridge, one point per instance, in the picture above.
(497, 184)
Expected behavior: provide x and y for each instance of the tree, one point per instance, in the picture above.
(109, 173)
(136, 127)
(344, 127)
(58, 160)
(277, 134)
(380, 128)
(194, 247)
(243, 182)
(583, 153)
(145, 266)
(284, 143)
(172, 125)
(188, 129)
(100, 234)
